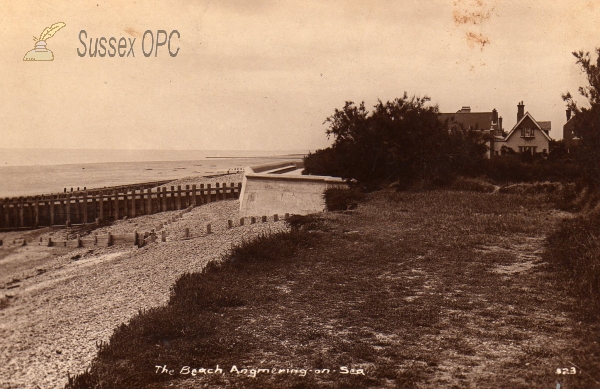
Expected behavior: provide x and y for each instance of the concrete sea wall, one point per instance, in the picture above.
(267, 190)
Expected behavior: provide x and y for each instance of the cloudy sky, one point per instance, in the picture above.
(264, 75)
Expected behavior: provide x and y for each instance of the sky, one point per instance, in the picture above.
(264, 75)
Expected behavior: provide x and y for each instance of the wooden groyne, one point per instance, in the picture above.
(89, 206)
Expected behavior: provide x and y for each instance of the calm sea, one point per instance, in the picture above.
(36, 172)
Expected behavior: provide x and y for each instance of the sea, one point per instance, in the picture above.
(31, 172)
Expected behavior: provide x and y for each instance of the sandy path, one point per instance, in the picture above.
(55, 319)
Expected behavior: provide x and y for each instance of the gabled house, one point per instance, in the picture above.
(527, 136)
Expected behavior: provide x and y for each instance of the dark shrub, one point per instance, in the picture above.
(342, 199)
(575, 249)
(306, 223)
(399, 141)
(516, 168)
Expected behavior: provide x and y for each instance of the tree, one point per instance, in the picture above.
(402, 140)
(587, 119)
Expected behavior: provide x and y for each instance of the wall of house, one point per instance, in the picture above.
(515, 141)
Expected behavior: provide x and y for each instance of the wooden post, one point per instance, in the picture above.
(163, 236)
(239, 191)
(173, 204)
(202, 198)
(68, 209)
(125, 202)
(116, 205)
(85, 207)
(133, 203)
(37, 212)
(108, 239)
(276, 218)
(158, 200)
(21, 211)
(208, 229)
(78, 207)
(224, 186)
(229, 223)
(187, 196)
(217, 194)
(94, 206)
(149, 210)
(186, 233)
(6, 214)
(142, 202)
(208, 190)
(164, 199)
(287, 216)
(51, 210)
(194, 195)
(232, 186)
(241, 221)
(101, 205)
(178, 197)
(264, 219)
(78, 240)
(252, 220)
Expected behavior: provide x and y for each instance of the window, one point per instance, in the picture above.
(527, 132)
(527, 149)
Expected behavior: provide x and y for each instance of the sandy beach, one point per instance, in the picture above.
(59, 303)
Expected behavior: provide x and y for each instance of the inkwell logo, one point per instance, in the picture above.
(40, 52)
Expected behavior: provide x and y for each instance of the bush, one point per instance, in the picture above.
(514, 168)
(574, 248)
(342, 199)
(402, 140)
(472, 185)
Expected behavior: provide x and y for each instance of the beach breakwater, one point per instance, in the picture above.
(93, 206)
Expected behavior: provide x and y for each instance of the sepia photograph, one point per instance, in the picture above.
(299, 194)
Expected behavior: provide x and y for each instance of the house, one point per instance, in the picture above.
(482, 121)
(527, 136)
(570, 138)
(478, 121)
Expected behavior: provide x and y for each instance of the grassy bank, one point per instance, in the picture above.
(429, 289)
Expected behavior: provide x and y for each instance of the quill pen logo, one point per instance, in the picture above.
(40, 52)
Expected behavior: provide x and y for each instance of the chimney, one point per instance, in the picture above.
(568, 114)
(494, 116)
(500, 125)
(520, 111)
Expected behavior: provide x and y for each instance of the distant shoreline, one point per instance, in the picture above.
(268, 157)
(41, 179)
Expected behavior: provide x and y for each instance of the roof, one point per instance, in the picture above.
(528, 115)
(470, 120)
(546, 125)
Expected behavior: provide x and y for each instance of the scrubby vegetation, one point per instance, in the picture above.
(574, 250)
(414, 289)
(342, 199)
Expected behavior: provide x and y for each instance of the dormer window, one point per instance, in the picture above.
(527, 132)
